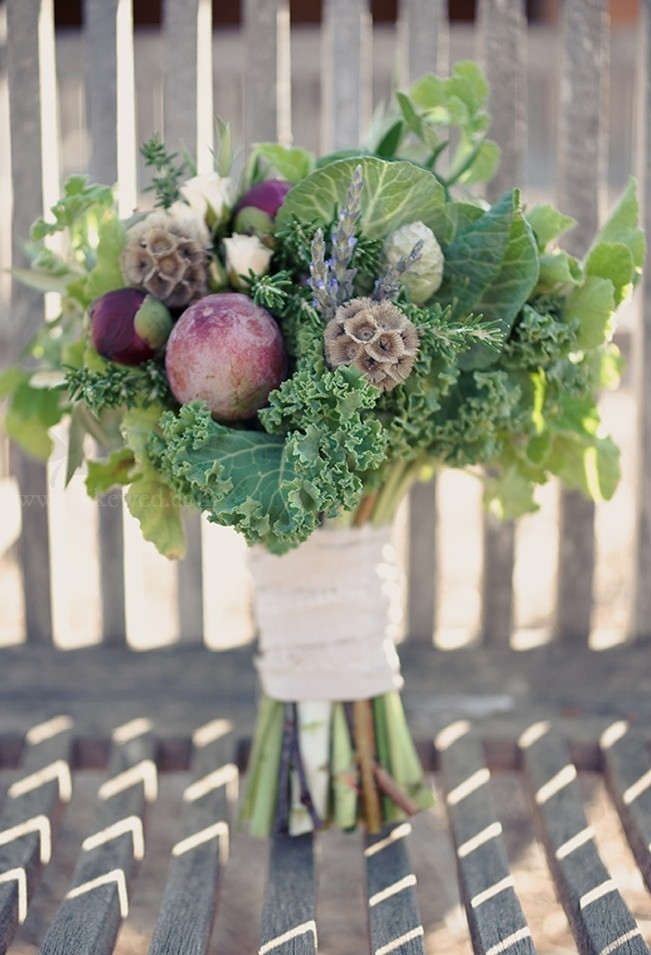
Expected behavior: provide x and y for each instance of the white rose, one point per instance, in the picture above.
(244, 253)
(210, 196)
(425, 275)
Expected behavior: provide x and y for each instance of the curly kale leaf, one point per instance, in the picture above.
(274, 487)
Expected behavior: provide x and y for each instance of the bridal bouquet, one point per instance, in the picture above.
(287, 352)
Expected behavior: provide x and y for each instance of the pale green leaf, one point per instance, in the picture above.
(593, 303)
(548, 223)
(287, 162)
(394, 194)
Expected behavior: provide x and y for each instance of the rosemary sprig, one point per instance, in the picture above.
(119, 385)
(169, 173)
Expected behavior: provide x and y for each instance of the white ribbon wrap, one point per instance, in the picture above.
(328, 614)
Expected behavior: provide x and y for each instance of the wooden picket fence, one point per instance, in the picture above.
(571, 106)
(85, 100)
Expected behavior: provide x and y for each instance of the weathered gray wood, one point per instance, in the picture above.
(267, 89)
(101, 38)
(394, 917)
(89, 918)
(30, 26)
(288, 919)
(581, 133)
(188, 90)
(190, 898)
(494, 913)
(640, 625)
(29, 818)
(346, 72)
(187, 28)
(598, 916)
(627, 769)
(502, 48)
(422, 586)
(427, 37)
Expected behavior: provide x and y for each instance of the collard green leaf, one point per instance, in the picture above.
(287, 162)
(558, 273)
(491, 269)
(394, 194)
(614, 261)
(30, 415)
(622, 226)
(548, 224)
(78, 199)
(43, 281)
(151, 502)
(106, 274)
(593, 304)
(116, 469)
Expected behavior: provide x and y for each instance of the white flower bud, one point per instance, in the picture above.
(244, 253)
(210, 196)
(424, 276)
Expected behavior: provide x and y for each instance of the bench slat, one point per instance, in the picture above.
(289, 916)
(29, 818)
(394, 916)
(190, 898)
(494, 913)
(597, 914)
(88, 920)
(627, 770)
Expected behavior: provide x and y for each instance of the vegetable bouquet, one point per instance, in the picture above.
(288, 352)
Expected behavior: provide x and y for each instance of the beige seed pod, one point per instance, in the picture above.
(375, 337)
(168, 257)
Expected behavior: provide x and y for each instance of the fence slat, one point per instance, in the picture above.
(641, 607)
(266, 92)
(186, 95)
(346, 72)
(580, 152)
(502, 40)
(427, 39)
(105, 126)
(31, 27)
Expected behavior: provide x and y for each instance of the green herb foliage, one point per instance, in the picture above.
(514, 346)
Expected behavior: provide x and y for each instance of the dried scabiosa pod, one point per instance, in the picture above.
(375, 337)
(168, 256)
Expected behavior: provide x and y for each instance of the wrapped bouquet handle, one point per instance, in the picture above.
(328, 614)
(332, 743)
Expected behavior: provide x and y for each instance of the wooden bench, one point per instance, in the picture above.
(119, 769)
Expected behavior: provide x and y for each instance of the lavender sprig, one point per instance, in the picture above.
(389, 285)
(321, 281)
(343, 238)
